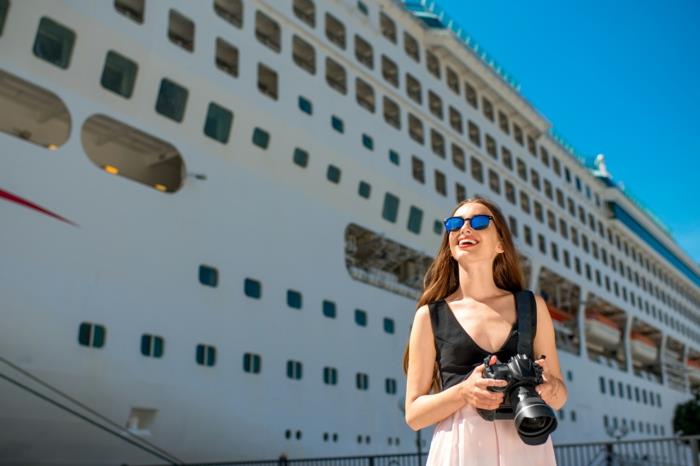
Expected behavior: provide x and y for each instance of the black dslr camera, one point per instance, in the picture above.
(534, 419)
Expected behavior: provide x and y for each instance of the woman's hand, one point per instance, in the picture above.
(474, 388)
(549, 390)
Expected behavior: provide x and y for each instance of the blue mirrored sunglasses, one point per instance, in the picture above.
(477, 222)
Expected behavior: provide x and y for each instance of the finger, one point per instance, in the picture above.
(493, 360)
(490, 397)
(489, 403)
(483, 383)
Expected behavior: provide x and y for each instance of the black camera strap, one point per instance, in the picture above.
(527, 321)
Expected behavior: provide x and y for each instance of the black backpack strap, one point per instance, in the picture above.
(526, 308)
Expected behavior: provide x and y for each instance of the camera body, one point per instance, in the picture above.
(534, 419)
(520, 370)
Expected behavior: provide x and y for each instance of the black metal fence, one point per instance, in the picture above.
(673, 451)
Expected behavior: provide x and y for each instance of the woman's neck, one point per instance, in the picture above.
(476, 281)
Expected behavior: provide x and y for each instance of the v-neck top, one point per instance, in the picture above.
(456, 351)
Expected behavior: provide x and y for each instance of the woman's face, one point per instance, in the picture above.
(488, 244)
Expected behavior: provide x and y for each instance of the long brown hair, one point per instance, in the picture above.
(442, 277)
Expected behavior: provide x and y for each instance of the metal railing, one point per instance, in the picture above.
(673, 451)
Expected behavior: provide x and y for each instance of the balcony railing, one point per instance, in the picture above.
(673, 451)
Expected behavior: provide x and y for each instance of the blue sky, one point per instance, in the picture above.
(620, 78)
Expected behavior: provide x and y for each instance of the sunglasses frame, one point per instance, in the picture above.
(468, 219)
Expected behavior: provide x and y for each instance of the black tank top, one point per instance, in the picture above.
(456, 352)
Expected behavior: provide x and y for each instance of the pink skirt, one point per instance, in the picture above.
(465, 439)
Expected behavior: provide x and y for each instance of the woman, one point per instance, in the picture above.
(473, 278)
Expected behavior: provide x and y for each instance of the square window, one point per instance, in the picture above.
(230, 10)
(390, 71)
(132, 9)
(261, 138)
(391, 207)
(303, 54)
(460, 192)
(305, 105)
(218, 123)
(415, 129)
(364, 52)
(388, 325)
(333, 174)
(336, 76)
(305, 10)
(411, 46)
(205, 355)
(54, 42)
(392, 112)
(181, 30)
(208, 276)
(364, 94)
(172, 100)
(440, 183)
(437, 227)
(364, 189)
(91, 335)
(361, 317)
(415, 218)
(458, 158)
(119, 74)
(368, 142)
(252, 288)
(226, 57)
(362, 7)
(335, 31)
(388, 27)
(301, 157)
(329, 309)
(337, 124)
(267, 81)
(267, 31)
(294, 299)
(394, 157)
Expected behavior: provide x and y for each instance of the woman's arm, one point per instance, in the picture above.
(553, 391)
(422, 409)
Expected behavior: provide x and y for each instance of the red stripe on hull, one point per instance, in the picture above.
(24, 202)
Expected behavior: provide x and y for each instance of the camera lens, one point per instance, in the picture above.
(534, 419)
(535, 425)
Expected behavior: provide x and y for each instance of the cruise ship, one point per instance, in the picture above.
(217, 216)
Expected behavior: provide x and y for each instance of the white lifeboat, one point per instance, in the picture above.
(643, 348)
(560, 318)
(602, 330)
(694, 370)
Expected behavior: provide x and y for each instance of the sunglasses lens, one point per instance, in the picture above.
(479, 222)
(454, 223)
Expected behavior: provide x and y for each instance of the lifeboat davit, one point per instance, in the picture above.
(643, 348)
(694, 370)
(602, 330)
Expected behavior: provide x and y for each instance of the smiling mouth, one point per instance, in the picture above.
(467, 243)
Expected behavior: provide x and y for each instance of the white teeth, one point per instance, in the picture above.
(467, 241)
